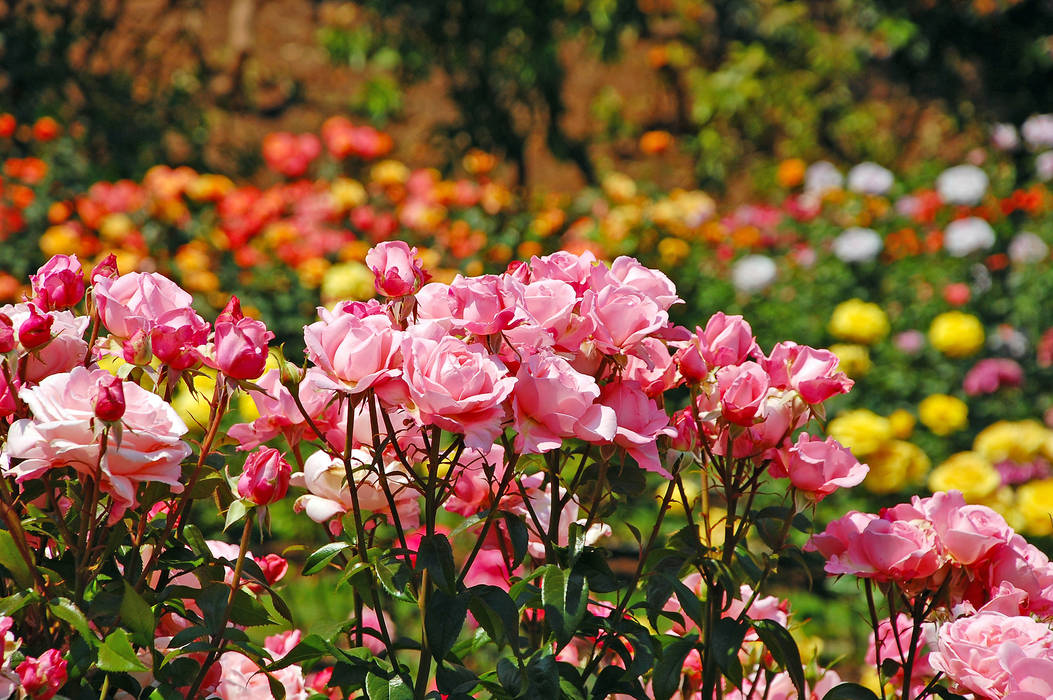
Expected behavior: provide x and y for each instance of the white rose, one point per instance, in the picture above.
(1038, 130)
(870, 178)
(856, 245)
(821, 177)
(1027, 247)
(962, 184)
(966, 236)
(753, 273)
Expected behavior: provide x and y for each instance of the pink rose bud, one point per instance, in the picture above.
(109, 402)
(7, 334)
(35, 330)
(59, 284)
(241, 343)
(266, 477)
(398, 270)
(106, 269)
(136, 350)
(726, 340)
(41, 678)
(742, 390)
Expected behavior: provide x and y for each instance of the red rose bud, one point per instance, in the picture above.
(136, 350)
(107, 268)
(266, 477)
(7, 334)
(109, 402)
(35, 330)
(59, 284)
(240, 343)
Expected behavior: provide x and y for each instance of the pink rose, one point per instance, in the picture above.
(36, 329)
(265, 478)
(66, 349)
(60, 434)
(456, 386)
(355, 353)
(989, 375)
(59, 283)
(397, 269)
(657, 373)
(8, 340)
(139, 301)
(109, 402)
(549, 305)
(623, 317)
(969, 534)
(575, 270)
(969, 650)
(279, 414)
(818, 467)
(629, 271)
(867, 546)
(553, 402)
(243, 679)
(43, 677)
(486, 305)
(175, 341)
(726, 340)
(742, 389)
(1026, 567)
(105, 269)
(813, 373)
(240, 343)
(640, 423)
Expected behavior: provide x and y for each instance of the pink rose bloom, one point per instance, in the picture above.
(575, 270)
(60, 433)
(139, 301)
(240, 343)
(742, 389)
(397, 269)
(458, 387)
(1029, 678)
(355, 353)
(813, 373)
(328, 495)
(553, 402)
(59, 283)
(175, 341)
(891, 646)
(66, 349)
(486, 305)
(989, 375)
(1026, 567)
(763, 608)
(623, 317)
(867, 546)
(969, 650)
(243, 679)
(630, 272)
(265, 479)
(818, 467)
(969, 534)
(36, 329)
(279, 414)
(43, 677)
(726, 340)
(549, 306)
(640, 423)
(657, 373)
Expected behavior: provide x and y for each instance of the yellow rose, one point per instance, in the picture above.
(62, 239)
(859, 321)
(861, 431)
(956, 334)
(894, 466)
(943, 414)
(347, 281)
(967, 472)
(389, 172)
(853, 360)
(1020, 441)
(902, 424)
(1034, 501)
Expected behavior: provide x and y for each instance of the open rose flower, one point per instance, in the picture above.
(65, 349)
(818, 467)
(139, 301)
(355, 353)
(61, 433)
(640, 423)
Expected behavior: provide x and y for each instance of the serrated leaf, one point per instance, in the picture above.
(378, 688)
(320, 558)
(137, 615)
(65, 609)
(117, 655)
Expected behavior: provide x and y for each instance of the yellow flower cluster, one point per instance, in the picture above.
(943, 414)
(956, 334)
(859, 321)
(882, 443)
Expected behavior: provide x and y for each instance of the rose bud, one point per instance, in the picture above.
(7, 334)
(241, 343)
(107, 269)
(136, 350)
(59, 283)
(109, 402)
(266, 477)
(397, 269)
(35, 330)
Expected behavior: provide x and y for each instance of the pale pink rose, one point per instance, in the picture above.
(355, 353)
(279, 414)
(575, 270)
(458, 387)
(60, 433)
(763, 608)
(813, 373)
(66, 348)
(139, 301)
(553, 402)
(328, 495)
(1026, 567)
(243, 679)
(726, 340)
(486, 305)
(867, 546)
(623, 317)
(968, 649)
(59, 283)
(640, 423)
(742, 389)
(549, 304)
(818, 467)
(1029, 678)
(629, 271)
(397, 269)
(969, 534)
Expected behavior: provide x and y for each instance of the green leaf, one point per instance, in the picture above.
(378, 688)
(320, 558)
(12, 560)
(542, 677)
(436, 556)
(196, 540)
(248, 611)
(689, 602)
(727, 640)
(237, 510)
(517, 532)
(65, 609)
(117, 655)
(15, 602)
(497, 607)
(783, 649)
(136, 614)
(443, 621)
(669, 671)
(850, 691)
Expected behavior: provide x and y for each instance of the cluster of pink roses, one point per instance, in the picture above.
(39, 677)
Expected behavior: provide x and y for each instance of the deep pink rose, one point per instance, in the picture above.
(36, 329)
(8, 340)
(44, 676)
(139, 301)
(553, 402)
(640, 423)
(66, 348)
(265, 479)
(240, 343)
(106, 269)
(457, 386)
(989, 375)
(742, 389)
(726, 340)
(59, 283)
(813, 373)
(109, 402)
(818, 467)
(397, 269)
(175, 341)
(867, 546)
(60, 434)
(1026, 567)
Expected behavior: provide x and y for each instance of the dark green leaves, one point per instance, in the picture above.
(443, 621)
